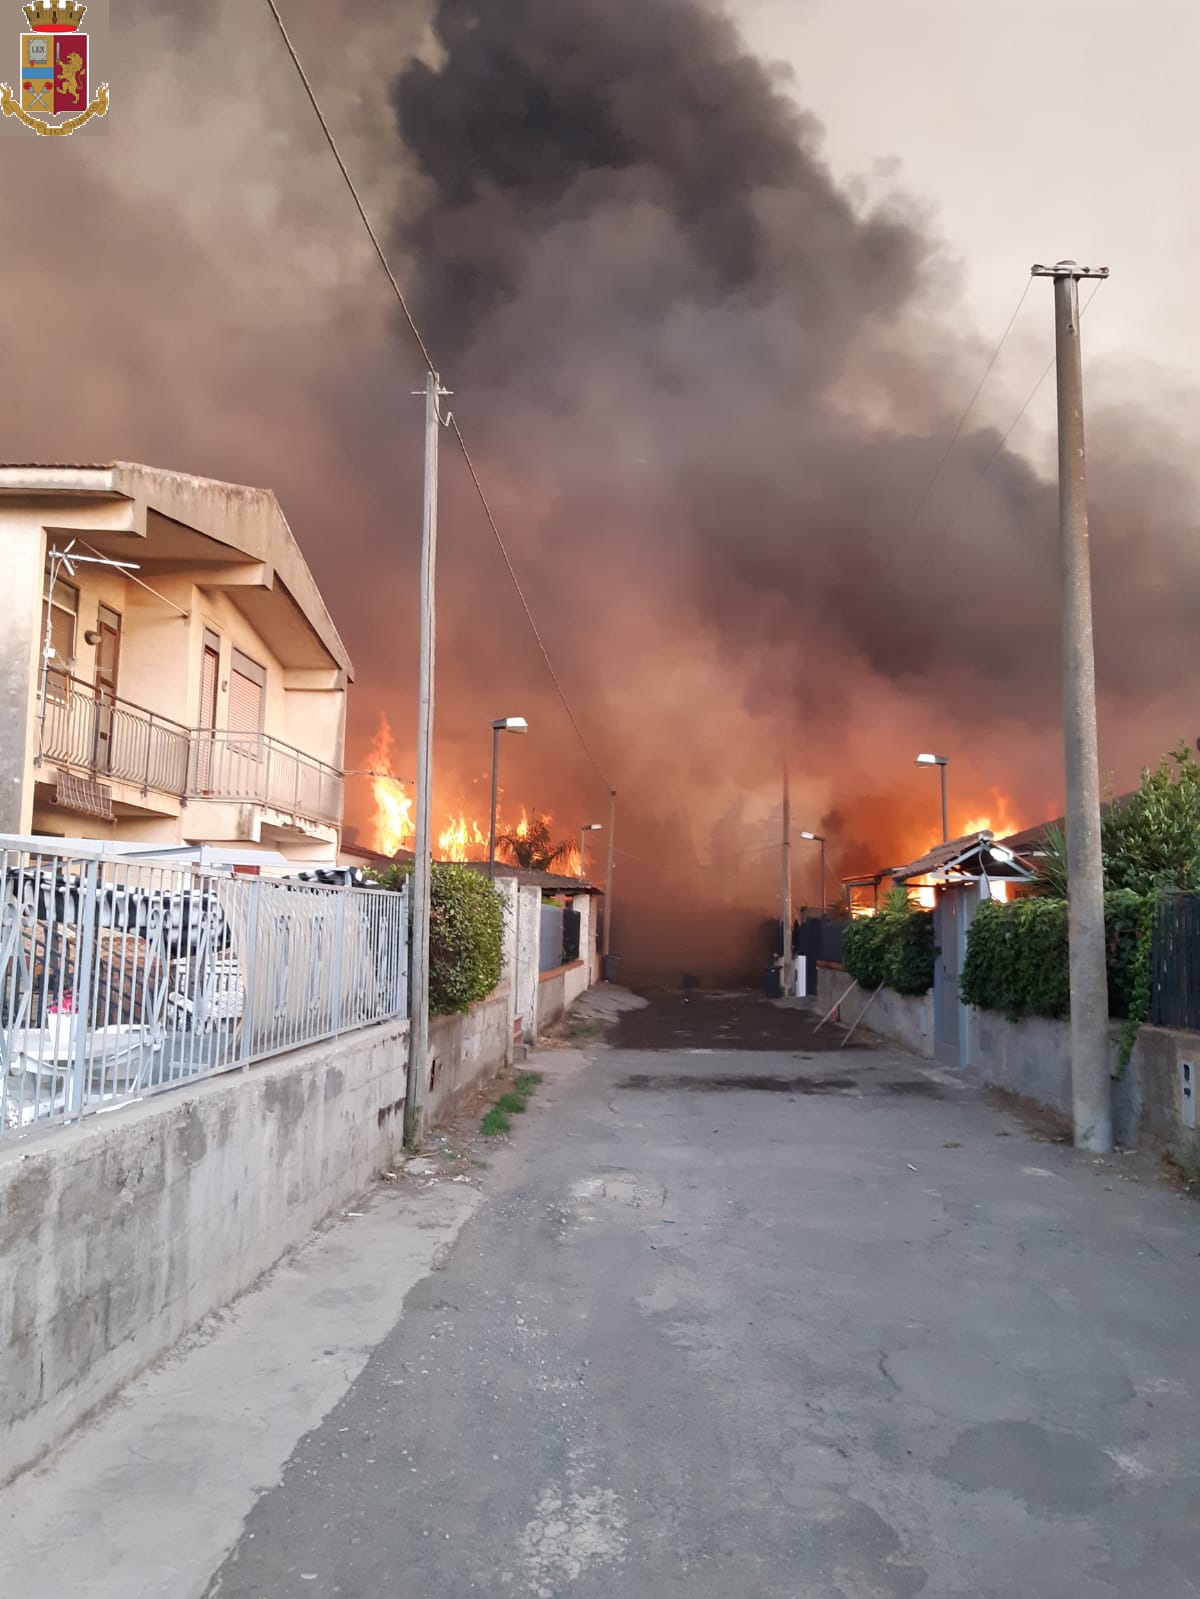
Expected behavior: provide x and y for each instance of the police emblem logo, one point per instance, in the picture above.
(53, 87)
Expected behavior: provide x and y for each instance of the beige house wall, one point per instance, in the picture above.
(241, 542)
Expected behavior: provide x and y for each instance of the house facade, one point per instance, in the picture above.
(169, 672)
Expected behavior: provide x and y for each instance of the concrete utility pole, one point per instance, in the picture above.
(787, 969)
(1091, 1089)
(608, 881)
(418, 1038)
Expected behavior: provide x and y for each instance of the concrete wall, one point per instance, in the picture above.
(466, 1050)
(902, 1019)
(1032, 1058)
(553, 988)
(122, 1233)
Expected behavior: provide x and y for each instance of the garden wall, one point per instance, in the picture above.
(902, 1019)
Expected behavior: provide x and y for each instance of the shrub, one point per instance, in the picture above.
(466, 939)
(466, 935)
(1018, 957)
(862, 951)
(909, 952)
(893, 949)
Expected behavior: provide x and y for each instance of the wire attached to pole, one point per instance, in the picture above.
(449, 420)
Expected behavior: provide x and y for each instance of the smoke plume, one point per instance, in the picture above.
(705, 386)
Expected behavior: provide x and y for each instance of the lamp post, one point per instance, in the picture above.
(938, 760)
(819, 838)
(588, 827)
(503, 724)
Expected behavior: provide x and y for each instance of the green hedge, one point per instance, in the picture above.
(1018, 959)
(893, 950)
(466, 935)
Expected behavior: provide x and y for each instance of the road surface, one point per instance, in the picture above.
(740, 1314)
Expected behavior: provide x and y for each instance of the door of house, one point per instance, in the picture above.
(206, 721)
(108, 658)
(947, 1031)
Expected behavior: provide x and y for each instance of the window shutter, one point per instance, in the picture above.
(245, 704)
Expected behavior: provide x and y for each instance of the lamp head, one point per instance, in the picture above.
(931, 760)
(813, 837)
(592, 827)
(510, 724)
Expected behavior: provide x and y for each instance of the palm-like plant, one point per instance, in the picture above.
(535, 848)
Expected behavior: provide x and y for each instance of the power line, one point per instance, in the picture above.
(962, 421)
(452, 421)
(337, 156)
(487, 511)
(995, 455)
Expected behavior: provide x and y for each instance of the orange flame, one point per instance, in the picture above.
(460, 838)
(464, 837)
(394, 827)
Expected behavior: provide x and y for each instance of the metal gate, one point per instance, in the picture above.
(947, 1005)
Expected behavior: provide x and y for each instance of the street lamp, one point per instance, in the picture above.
(938, 760)
(503, 724)
(818, 838)
(588, 827)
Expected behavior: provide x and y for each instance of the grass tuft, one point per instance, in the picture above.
(514, 1102)
(495, 1123)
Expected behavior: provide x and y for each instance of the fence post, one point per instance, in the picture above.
(85, 961)
(251, 973)
(339, 932)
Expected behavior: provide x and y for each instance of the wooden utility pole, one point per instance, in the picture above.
(785, 898)
(608, 882)
(1091, 1089)
(418, 1041)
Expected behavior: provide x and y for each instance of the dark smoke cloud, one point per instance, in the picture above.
(629, 243)
(706, 387)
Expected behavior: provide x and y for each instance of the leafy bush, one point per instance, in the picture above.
(466, 935)
(1152, 839)
(893, 949)
(1018, 958)
(862, 950)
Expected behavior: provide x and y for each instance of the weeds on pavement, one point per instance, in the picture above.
(514, 1102)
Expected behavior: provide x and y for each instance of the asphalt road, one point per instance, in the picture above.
(767, 1321)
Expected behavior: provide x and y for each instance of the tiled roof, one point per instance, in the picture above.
(943, 855)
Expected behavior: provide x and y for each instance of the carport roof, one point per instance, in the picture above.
(973, 856)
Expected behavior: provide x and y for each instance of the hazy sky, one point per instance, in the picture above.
(1034, 132)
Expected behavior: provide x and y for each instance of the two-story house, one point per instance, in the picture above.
(168, 670)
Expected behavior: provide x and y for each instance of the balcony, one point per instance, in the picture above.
(114, 741)
(111, 739)
(258, 770)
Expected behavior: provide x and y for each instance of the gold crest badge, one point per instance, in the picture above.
(53, 86)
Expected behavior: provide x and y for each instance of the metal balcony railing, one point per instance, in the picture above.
(253, 767)
(86, 729)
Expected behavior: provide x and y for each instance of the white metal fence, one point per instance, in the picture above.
(121, 978)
